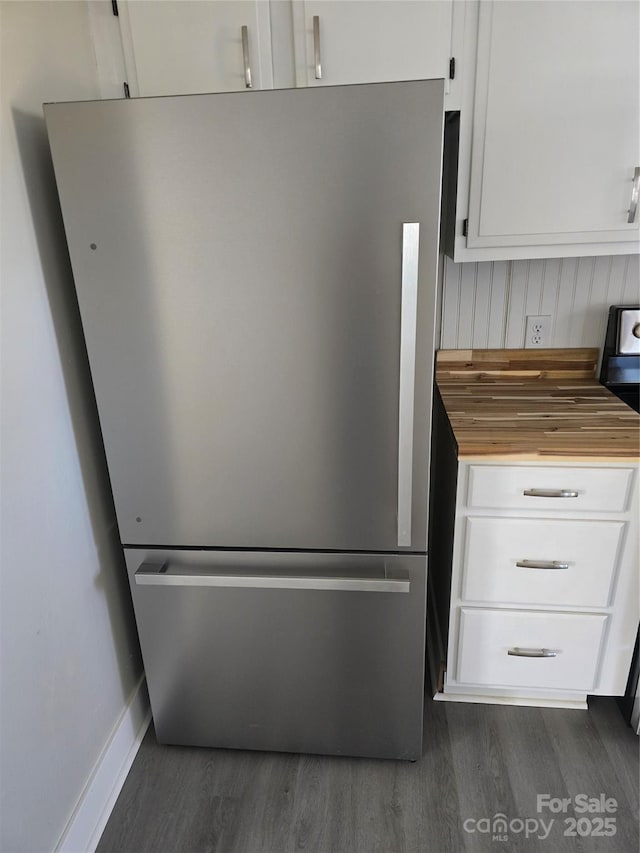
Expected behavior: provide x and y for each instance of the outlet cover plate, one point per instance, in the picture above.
(538, 331)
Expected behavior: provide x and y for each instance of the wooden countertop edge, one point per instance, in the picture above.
(623, 460)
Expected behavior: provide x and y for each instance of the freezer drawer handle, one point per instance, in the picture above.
(633, 207)
(167, 574)
(541, 564)
(245, 57)
(316, 47)
(408, 321)
(532, 653)
(550, 493)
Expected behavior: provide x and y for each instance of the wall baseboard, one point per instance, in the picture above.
(89, 818)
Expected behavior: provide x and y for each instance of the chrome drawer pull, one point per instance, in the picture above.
(531, 653)
(550, 493)
(541, 564)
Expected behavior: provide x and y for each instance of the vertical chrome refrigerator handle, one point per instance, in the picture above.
(633, 207)
(316, 47)
(408, 322)
(245, 57)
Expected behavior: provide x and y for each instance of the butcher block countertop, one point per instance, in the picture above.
(534, 404)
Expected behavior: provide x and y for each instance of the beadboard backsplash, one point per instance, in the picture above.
(485, 305)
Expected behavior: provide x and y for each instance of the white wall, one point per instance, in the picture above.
(69, 652)
(486, 304)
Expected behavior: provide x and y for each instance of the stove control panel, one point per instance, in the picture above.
(629, 331)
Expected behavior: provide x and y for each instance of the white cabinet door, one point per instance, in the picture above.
(555, 126)
(371, 41)
(176, 47)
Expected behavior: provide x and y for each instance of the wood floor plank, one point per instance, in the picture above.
(432, 813)
(379, 807)
(478, 760)
(323, 807)
(533, 768)
(162, 775)
(274, 805)
(621, 744)
(587, 770)
(222, 809)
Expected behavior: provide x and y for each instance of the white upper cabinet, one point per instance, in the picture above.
(370, 41)
(186, 46)
(175, 47)
(547, 165)
(543, 137)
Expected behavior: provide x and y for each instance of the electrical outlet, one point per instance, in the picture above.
(538, 333)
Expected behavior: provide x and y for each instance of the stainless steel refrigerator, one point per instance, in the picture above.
(256, 277)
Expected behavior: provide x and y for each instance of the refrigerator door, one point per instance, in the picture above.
(256, 276)
(319, 653)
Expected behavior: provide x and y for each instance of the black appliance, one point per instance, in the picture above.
(620, 373)
(620, 370)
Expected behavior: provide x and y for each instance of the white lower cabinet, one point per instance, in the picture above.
(544, 589)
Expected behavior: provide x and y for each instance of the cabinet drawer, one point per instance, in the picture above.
(567, 562)
(572, 639)
(571, 489)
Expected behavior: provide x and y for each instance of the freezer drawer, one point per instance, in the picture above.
(320, 653)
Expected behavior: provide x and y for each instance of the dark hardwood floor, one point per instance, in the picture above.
(479, 760)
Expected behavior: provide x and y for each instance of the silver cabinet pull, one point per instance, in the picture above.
(531, 653)
(408, 320)
(541, 564)
(167, 574)
(245, 56)
(633, 207)
(316, 47)
(550, 493)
